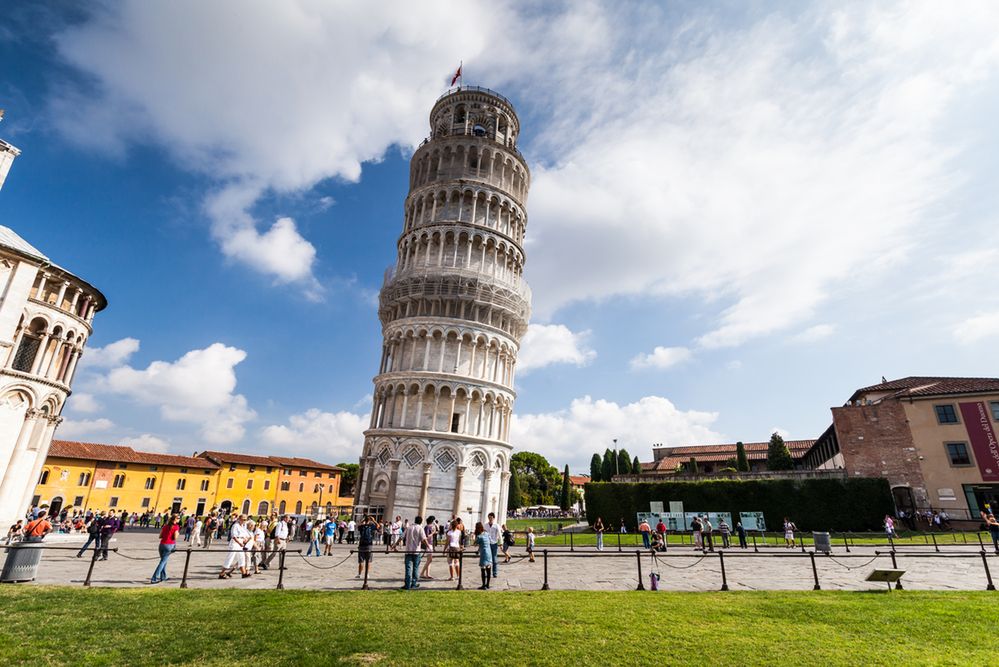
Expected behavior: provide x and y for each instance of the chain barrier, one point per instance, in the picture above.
(318, 567)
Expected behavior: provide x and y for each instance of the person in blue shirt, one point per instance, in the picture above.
(485, 555)
(329, 533)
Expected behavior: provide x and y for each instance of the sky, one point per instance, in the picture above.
(739, 212)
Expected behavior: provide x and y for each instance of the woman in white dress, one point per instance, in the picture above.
(239, 543)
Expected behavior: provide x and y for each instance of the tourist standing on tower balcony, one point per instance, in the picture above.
(414, 541)
(598, 528)
(168, 544)
(487, 555)
(493, 530)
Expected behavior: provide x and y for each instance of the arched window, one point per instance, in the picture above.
(282, 506)
(29, 348)
(150, 482)
(44, 479)
(246, 507)
(119, 481)
(298, 507)
(263, 507)
(84, 479)
(301, 487)
(479, 130)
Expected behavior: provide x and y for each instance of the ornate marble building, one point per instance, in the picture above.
(453, 310)
(46, 316)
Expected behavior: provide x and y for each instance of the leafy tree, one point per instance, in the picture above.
(636, 467)
(607, 466)
(348, 478)
(538, 479)
(741, 460)
(623, 462)
(596, 463)
(564, 497)
(514, 496)
(778, 455)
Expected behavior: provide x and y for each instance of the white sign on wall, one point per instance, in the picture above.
(656, 507)
(101, 484)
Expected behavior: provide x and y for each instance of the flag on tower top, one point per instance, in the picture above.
(457, 74)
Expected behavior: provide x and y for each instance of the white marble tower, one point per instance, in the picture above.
(453, 310)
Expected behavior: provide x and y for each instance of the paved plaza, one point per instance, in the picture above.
(956, 567)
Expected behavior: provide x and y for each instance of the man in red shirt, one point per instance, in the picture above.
(36, 530)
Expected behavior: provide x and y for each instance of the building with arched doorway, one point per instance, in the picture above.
(46, 319)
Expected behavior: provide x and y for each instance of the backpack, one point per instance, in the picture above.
(92, 528)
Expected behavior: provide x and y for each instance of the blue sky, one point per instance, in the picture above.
(738, 214)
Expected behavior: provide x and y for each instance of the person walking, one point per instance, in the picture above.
(279, 539)
(889, 524)
(93, 536)
(428, 531)
(329, 537)
(530, 543)
(199, 526)
(257, 552)
(351, 530)
(211, 525)
(695, 530)
(789, 529)
(486, 554)
(168, 544)
(507, 543)
(454, 551)
(646, 530)
(414, 540)
(108, 527)
(366, 534)
(239, 540)
(493, 530)
(598, 528)
(726, 532)
(707, 533)
(315, 535)
(993, 525)
(188, 528)
(741, 532)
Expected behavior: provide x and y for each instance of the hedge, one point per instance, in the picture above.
(812, 504)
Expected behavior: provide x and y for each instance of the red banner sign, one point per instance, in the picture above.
(978, 423)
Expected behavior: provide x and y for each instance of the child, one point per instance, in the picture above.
(530, 542)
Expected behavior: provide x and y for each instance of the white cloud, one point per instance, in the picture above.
(781, 432)
(662, 358)
(328, 436)
(546, 344)
(815, 333)
(731, 163)
(197, 388)
(977, 328)
(112, 354)
(147, 443)
(266, 98)
(82, 402)
(589, 426)
(83, 429)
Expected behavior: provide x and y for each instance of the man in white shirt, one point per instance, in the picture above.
(493, 530)
(196, 535)
(415, 541)
(351, 527)
(279, 539)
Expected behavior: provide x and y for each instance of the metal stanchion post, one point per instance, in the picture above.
(846, 542)
(461, 568)
(90, 570)
(638, 557)
(721, 560)
(815, 572)
(280, 583)
(619, 541)
(979, 534)
(187, 562)
(894, 566)
(988, 574)
(756, 549)
(544, 586)
(935, 545)
(571, 546)
(801, 541)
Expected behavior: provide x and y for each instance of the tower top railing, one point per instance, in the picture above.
(475, 89)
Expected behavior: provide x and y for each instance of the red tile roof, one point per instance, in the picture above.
(579, 480)
(121, 454)
(755, 451)
(275, 461)
(930, 386)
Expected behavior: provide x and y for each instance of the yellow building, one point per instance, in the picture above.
(83, 475)
(251, 484)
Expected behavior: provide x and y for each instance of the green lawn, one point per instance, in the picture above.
(62, 626)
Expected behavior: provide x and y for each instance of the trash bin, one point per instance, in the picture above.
(22, 562)
(822, 544)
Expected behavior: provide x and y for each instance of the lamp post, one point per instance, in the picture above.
(319, 488)
(617, 465)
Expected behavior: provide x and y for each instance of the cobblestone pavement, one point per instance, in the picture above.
(954, 568)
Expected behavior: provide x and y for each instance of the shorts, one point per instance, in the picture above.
(454, 553)
(364, 555)
(330, 539)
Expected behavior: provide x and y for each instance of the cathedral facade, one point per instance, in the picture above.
(453, 309)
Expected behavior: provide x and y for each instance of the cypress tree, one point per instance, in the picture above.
(623, 462)
(778, 455)
(741, 460)
(595, 465)
(564, 496)
(692, 467)
(607, 466)
(514, 496)
(636, 467)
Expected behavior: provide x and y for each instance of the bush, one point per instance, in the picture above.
(813, 504)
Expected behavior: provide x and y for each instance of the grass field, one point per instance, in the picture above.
(62, 626)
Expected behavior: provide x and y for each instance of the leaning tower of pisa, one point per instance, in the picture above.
(453, 309)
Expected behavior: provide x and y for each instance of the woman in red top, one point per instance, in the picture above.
(168, 543)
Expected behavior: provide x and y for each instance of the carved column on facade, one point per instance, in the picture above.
(393, 482)
(459, 481)
(425, 488)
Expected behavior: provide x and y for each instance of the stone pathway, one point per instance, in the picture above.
(956, 568)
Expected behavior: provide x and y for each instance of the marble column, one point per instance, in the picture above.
(425, 488)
